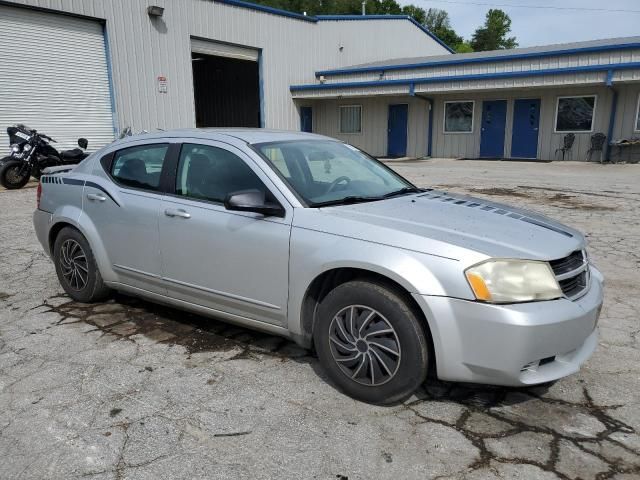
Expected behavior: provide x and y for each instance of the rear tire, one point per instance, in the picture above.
(76, 267)
(379, 355)
(10, 177)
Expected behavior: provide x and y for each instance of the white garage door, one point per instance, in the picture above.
(53, 77)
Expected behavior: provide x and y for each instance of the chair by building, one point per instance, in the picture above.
(597, 145)
(567, 144)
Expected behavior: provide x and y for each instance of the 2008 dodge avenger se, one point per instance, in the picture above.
(307, 237)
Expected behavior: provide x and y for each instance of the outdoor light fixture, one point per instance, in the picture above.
(155, 11)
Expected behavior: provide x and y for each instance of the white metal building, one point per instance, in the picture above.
(517, 103)
(89, 67)
(92, 67)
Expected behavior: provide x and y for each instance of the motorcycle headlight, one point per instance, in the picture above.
(512, 281)
(15, 148)
(27, 147)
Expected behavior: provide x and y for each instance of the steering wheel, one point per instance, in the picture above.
(337, 181)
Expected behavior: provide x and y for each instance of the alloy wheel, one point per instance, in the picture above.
(364, 345)
(74, 265)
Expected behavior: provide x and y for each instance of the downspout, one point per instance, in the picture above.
(430, 129)
(612, 116)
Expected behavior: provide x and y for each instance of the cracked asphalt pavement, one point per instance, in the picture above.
(130, 390)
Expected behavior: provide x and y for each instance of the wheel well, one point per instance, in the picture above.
(330, 279)
(55, 230)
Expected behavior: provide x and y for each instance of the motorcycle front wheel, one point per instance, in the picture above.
(13, 173)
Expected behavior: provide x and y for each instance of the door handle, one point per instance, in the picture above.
(172, 212)
(96, 196)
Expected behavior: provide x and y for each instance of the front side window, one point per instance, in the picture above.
(458, 117)
(211, 173)
(139, 167)
(324, 171)
(575, 114)
(351, 119)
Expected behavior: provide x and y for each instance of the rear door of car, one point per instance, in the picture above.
(229, 261)
(123, 204)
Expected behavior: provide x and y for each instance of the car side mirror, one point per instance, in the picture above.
(83, 143)
(252, 201)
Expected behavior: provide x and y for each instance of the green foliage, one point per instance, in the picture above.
(493, 34)
(464, 47)
(438, 22)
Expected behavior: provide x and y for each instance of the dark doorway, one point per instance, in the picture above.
(226, 91)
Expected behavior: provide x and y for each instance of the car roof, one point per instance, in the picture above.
(248, 135)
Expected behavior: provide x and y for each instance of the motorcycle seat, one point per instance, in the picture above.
(74, 153)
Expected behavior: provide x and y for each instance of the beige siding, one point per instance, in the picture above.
(373, 138)
(467, 145)
(292, 50)
(515, 65)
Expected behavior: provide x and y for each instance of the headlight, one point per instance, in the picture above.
(510, 281)
(15, 148)
(27, 147)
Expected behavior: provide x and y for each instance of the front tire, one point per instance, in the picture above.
(76, 267)
(13, 173)
(371, 343)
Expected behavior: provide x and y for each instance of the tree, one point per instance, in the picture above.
(493, 34)
(437, 21)
(417, 13)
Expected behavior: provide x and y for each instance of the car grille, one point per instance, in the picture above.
(572, 273)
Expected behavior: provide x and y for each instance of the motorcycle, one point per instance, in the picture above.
(31, 153)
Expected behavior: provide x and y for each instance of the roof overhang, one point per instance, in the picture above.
(605, 74)
(324, 18)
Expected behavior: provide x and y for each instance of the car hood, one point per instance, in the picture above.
(448, 225)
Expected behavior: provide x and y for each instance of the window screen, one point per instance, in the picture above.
(139, 167)
(458, 117)
(575, 114)
(351, 119)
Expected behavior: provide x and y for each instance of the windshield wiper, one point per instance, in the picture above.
(347, 201)
(402, 191)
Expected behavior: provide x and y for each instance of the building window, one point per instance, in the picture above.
(458, 117)
(575, 114)
(637, 126)
(351, 119)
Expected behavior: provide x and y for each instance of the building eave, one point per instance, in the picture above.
(483, 59)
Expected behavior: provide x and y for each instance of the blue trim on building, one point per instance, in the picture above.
(112, 98)
(495, 58)
(612, 120)
(274, 11)
(432, 35)
(479, 76)
(430, 132)
(385, 17)
(319, 18)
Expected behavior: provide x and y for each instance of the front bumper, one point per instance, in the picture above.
(504, 344)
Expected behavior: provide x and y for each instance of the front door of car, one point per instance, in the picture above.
(232, 262)
(123, 204)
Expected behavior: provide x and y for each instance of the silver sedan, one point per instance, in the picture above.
(309, 238)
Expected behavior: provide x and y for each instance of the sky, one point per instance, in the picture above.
(544, 26)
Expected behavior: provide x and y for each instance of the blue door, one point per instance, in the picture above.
(494, 119)
(397, 130)
(306, 119)
(526, 120)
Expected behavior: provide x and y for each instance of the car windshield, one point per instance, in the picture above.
(324, 172)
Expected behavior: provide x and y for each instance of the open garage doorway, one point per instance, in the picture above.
(226, 84)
